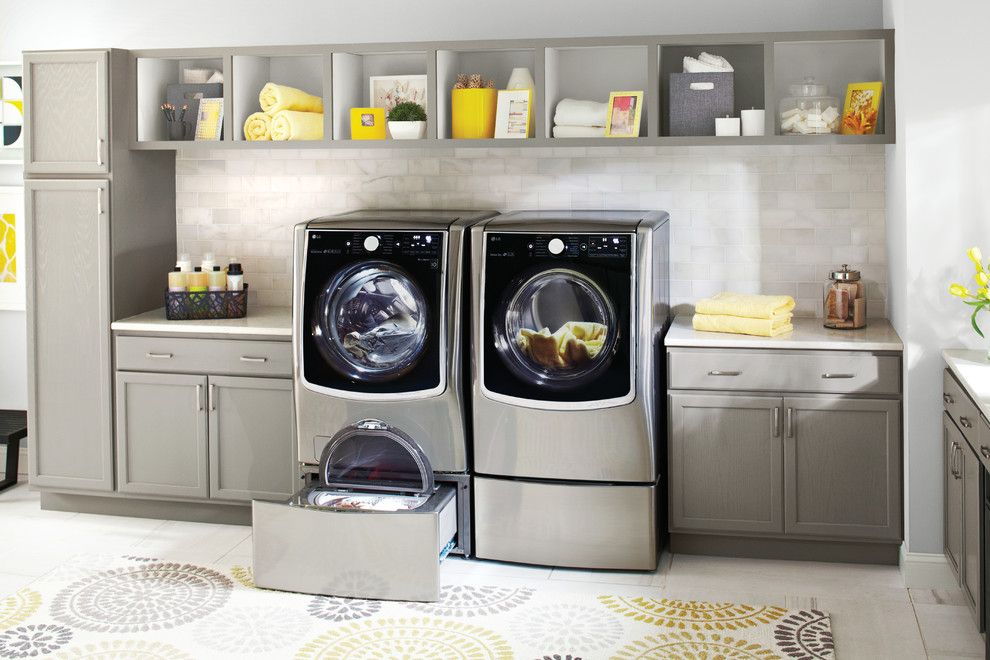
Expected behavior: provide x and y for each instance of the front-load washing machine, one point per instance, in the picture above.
(569, 312)
(379, 408)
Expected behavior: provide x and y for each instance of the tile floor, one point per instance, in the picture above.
(873, 615)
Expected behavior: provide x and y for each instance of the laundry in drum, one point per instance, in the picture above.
(380, 319)
(345, 501)
(573, 344)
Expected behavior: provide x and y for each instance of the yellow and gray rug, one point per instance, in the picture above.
(135, 607)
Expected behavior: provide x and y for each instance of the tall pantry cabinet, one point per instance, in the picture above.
(100, 238)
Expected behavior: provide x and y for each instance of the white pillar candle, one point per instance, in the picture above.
(727, 126)
(753, 122)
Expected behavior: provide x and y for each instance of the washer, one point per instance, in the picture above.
(569, 312)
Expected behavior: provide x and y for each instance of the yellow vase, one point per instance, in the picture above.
(472, 113)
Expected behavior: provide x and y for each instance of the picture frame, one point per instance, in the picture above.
(209, 120)
(625, 110)
(861, 111)
(368, 124)
(512, 113)
(388, 91)
(11, 111)
(12, 231)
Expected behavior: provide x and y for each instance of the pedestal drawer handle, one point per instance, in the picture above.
(985, 451)
(158, 356)
(965, 423)
(248, 358)
(724, 373)
(827, 375)
(947, 399)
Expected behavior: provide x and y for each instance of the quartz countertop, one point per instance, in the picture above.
(273, 322)
(808, 334)
(972, 369)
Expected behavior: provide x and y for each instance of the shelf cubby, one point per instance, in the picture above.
(154, 75)
(250, 73)
(352, 72)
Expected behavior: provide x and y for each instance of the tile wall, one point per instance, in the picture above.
(753, 219)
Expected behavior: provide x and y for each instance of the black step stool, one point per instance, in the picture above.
(13, 428)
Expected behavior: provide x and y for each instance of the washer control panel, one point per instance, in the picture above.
(419, 246)
(561, 246)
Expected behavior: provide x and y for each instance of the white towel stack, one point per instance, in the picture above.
(707, 63)
(573, 118)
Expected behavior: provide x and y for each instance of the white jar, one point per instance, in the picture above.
(809, 110)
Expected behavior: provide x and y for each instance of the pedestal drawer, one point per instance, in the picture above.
(833, 372)
(221, 356)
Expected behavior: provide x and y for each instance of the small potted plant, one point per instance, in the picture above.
(980, 299)
(407, 121)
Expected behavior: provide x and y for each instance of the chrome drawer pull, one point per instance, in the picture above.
(831, 376)
(248, 358)
(158, 356)
(947, 399)
(776, 422)
(725, 373)
(965, 423)
(199, 397)
(985, 451)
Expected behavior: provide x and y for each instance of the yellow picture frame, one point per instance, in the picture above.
(861, 112)
(209, 120)
(367, 123)
(625, 110)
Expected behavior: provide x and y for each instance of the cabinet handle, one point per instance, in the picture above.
(834, 376)
(965, 423)
(959, 462)
(99, 151)
(985, 451)
(776, 421)
(158, 356)
(213, 396)
(952, 464)
(947, 399)
(790, 422)
(248, 358)
(724, 373)
(99, 202)
(199, 397)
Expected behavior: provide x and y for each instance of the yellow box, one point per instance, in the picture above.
(472, 113)
(367, 123)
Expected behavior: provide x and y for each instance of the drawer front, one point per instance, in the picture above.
(220, 356)
(833, 373)
(961, 409)
(983, 442)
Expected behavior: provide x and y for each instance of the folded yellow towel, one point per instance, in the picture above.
(771, 327)
(258, 127)
(749, 306)
(292, 125)
(281, 97)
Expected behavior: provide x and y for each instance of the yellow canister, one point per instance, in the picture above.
(472, 113)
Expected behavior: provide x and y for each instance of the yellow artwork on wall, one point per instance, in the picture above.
(12, 228)
(8, 249)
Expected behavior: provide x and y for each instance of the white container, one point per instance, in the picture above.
(407, 130)
(184, 263)
(209, 261)
(809, 110)
(753, 122)
(727, 126)
(521, 78)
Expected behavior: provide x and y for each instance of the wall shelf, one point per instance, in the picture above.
(765, 63)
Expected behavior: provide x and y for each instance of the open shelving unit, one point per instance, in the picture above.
(585, 68)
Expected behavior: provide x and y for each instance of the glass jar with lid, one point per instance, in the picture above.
(845, 300)
(809, 110)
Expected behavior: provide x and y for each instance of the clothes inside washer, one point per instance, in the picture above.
(573, 344)
(380, 320)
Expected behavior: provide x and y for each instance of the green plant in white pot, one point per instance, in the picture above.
(407, 121)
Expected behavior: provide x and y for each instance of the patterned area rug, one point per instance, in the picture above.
(134, 607)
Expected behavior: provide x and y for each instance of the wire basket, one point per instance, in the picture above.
(187, 306)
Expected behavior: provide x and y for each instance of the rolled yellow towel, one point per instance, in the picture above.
(292, 125)
(740, 325)
(281, 97)
(749, 306)
(258, 127)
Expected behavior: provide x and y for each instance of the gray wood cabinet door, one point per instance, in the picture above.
(67, 260)
(161, 434)
(725, 463)
(952, 440)
(971, 505)
(842, 467)
(67, 121)
(252, 442)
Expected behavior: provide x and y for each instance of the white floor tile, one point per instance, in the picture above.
(949, 630)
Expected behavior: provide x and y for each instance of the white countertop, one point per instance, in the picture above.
(808, 334)
(273, 322)
(972, 369)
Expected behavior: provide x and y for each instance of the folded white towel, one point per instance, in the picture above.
(715, 60)
(578, 131)
(572, 112)
(694, 65)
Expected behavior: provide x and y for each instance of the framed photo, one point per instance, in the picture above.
(862, 109)
(624, 112)
(209, 119)
(388, 91)
(367, 124)
(12, 275)
(512, 113)
(11, 111)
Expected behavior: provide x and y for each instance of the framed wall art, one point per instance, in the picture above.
(12, 275)
(512, 113)
(624, 112)
(388, 91)
(11, 111)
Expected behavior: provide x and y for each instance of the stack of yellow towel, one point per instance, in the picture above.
(763, 316)
(286, 113)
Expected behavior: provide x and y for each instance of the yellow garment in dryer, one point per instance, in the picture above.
(292, 125)
(740, 325)
(741, 304)
(274, 98)
(573, 344)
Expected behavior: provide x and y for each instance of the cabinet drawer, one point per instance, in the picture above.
(982, 442)
(778, 371)
(221, 356)
(961, 408)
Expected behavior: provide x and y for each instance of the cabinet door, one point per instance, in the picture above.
(252, 442)
(952, 440)
(971, 505)
(66, 125)
(68, 308)
(842, 467)
(161, 434)
(725, 463)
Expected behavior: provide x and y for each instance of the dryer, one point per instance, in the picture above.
(569, 312)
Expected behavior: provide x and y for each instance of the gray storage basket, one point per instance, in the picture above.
(693, 111)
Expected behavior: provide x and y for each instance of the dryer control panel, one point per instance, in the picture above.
(559, 246)
(425, 247)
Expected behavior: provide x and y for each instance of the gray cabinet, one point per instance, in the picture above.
(971, 505)
(68, 307)
(161, 434)
(251, 449)
(725, 468)
(67, 122)
(842, 465)
(952, 441)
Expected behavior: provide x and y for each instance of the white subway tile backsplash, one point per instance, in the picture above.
(751, 219)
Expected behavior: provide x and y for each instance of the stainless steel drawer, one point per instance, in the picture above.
(831, 372)
(220, 356)
(961, 408)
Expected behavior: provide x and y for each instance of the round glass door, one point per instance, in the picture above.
(370, 322)
(556, 328)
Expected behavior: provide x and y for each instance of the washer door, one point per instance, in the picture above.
(372, 456)
(370, 322)
(556, 328)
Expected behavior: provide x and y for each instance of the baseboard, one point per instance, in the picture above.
(925, 570)
(22, 464)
